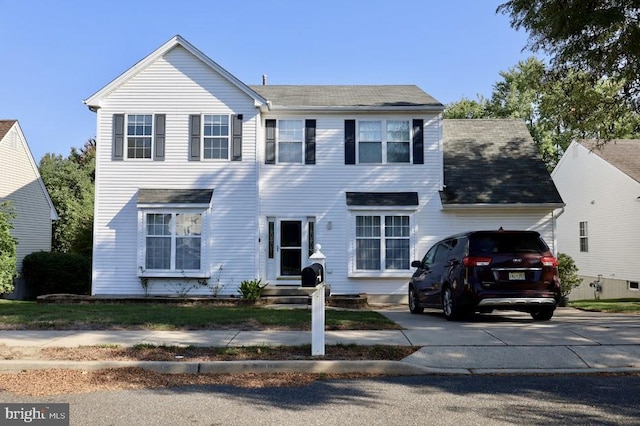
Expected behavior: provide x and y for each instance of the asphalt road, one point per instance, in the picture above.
(441, 400)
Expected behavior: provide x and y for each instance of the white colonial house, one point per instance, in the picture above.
(600, 227)
(202, 177)
(22, 186)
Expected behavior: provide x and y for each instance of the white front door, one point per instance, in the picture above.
(290, 248)
(289, 243)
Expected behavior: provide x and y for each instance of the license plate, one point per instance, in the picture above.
(516, 276)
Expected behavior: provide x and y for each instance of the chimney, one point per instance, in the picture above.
(264, 79)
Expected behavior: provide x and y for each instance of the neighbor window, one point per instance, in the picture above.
(290, 139)
(382, 243)
(173, 241)
(216, 137)
(139, 136)
(584, 237)
(384, 141)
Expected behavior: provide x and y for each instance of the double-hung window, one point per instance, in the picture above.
(384, 141)
(382, 243)
(173, 241)
(290, 141)
(216, 137)
(139, 135)
(584, 237)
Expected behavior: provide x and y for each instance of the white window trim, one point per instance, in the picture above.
(202, 137)
(384, 141)
(302, 120)
(369, 211)
(205, 241)
(126, 136)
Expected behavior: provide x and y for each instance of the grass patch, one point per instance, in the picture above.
(40, 316)
(627, 306)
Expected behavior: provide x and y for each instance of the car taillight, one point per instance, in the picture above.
(549, 261)
(476, 261)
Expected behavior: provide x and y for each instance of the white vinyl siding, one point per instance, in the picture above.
(20, 183)
(606, 199)
(231, 237)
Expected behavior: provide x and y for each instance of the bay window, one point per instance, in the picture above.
(382, 243)
(173, 241)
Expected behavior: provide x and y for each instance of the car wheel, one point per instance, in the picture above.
(542, 314)
(449, 305)
(413, 302)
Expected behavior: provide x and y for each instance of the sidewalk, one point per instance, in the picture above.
(573, 342)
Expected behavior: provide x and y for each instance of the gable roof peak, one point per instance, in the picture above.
(94, 101)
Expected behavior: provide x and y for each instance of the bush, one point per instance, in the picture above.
(251, 290)
(51, 273)
(568, 274)
(7, 249)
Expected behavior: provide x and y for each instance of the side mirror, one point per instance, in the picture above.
(416, 264)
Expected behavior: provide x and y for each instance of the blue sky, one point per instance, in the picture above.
(57, 53)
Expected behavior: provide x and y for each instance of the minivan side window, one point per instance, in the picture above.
(442, 253)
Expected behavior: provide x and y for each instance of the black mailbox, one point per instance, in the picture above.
(312, 275)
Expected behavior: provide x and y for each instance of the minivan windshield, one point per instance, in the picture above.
(485, 244)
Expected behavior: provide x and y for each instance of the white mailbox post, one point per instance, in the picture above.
(318, 306)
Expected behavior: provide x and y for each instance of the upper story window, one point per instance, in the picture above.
(290, 141)
(215, 144)
(139, 136)
(384, 141)
(290, 138)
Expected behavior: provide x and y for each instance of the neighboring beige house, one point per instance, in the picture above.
(21, 184)
(600, 227)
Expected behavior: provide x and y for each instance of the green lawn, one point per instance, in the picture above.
(31, 315)
(628, 306)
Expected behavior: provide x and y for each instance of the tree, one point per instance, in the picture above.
(568, 274)
(70, 182)
(598, 37)
(467, 108)
(7, 249)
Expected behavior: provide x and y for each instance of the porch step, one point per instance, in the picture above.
(289, 295)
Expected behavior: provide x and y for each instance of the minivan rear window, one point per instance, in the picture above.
(506, 243)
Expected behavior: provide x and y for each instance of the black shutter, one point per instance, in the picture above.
(349, 141)
(118, 137)
(194, 137)
(270, 142)
(158, 151)
(418, 142)
(236, 137)
(310, 142)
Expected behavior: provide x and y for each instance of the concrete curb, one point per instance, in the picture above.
(384, 368)
(391, 368)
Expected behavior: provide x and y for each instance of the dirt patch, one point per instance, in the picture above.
(64, 381)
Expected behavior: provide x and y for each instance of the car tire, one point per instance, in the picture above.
(449, 305)
(413, 302)
(542, 314)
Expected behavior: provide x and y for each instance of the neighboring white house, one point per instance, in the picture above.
(21, 184)
(600, 228)
(201, 177)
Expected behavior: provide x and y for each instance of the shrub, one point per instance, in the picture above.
(568, 274)
(251, 290)
(7, 249)
(50, 273)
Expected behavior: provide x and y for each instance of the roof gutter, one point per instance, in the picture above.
(492, 206)
(342, 109)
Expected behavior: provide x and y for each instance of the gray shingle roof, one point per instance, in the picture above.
(624, 154)
(494, 162)
(174, 196)
(347, 96)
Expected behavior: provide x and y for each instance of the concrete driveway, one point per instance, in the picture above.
(511, 340)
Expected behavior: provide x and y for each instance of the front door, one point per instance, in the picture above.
(290, 247)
